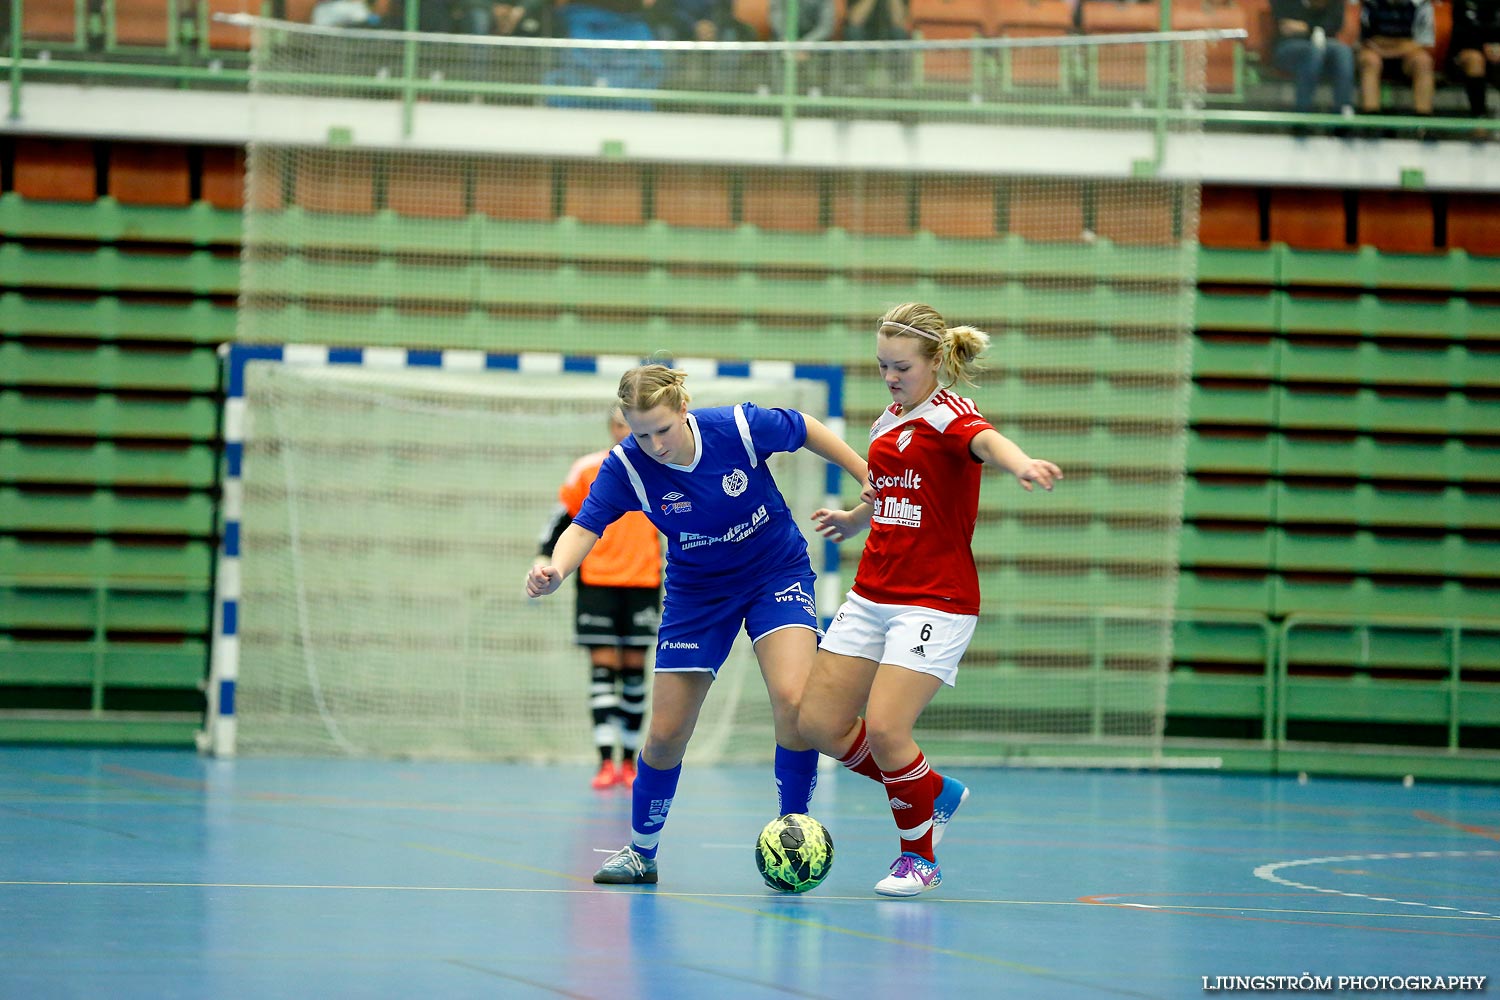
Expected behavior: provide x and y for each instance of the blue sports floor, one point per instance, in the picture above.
(159, 874)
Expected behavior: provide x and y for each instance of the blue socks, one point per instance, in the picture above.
(650, 798)
(796, 777)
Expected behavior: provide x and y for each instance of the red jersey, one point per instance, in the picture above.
(927, 499)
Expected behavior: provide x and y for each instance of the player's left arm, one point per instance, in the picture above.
(993, 448)
(830, 447)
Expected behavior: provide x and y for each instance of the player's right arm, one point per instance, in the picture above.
(838, 525)
(574, 544)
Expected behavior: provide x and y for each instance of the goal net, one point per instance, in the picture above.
(761, 201)
(388, 518)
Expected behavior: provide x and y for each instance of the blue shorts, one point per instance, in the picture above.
(697, 630)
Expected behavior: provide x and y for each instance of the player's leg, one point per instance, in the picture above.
(639, 615)
(837, 688)
(785, 656)
(923, 648)
(694, 640)
(632, 711)
(676, 699)
(594, 630)
(781, 619)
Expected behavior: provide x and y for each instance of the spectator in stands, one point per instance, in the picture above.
(1476, 49)
(618, 20)
(702, 21)
(1307, 47)
(470, 17)
(1396, 34)
(699, 21)
(876, 21)
(344, 14)
(816, 20)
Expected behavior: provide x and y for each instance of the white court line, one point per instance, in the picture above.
(808, 899)
(1268, 872)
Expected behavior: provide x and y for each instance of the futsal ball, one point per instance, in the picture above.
(794, 853)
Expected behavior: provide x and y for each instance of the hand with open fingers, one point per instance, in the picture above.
(838, 525)
(1039, 471)
(542, 580)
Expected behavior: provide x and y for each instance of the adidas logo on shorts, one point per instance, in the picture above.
(919, 650)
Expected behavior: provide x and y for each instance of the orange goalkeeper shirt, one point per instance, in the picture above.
(629, 552)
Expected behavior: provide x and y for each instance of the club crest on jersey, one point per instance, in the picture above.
(904, 438)
(736, 483)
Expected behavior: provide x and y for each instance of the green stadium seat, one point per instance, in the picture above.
(1213, 497)
(101, 559)
(1226, 546)
(1324, 453)
(1216, 401)
(108, 269)
(1373, 363)
(105, 512)
(1231, 450)
(106, 415)
(1331, 501)
(1389, 598)
(1363, 409)
(107, 366)
(115, 665)
(1235, 356)
(100, 607)
(1223, 589)
(105, 463)
(107, 317)
(1257, 313)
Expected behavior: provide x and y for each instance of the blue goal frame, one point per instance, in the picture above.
(218, 735)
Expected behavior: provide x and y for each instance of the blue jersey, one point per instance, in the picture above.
(723, 516)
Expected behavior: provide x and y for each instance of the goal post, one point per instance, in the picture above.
(380, 507)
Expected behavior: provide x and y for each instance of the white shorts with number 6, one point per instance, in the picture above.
(920, 639)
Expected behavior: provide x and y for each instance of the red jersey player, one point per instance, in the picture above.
(915, 601)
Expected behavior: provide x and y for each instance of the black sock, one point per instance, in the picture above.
(603, 703)
(1475, 87)
(632, 709)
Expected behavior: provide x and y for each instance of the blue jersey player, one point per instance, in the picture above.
(734, 558)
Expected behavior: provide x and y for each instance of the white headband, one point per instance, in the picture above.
(911, 329)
